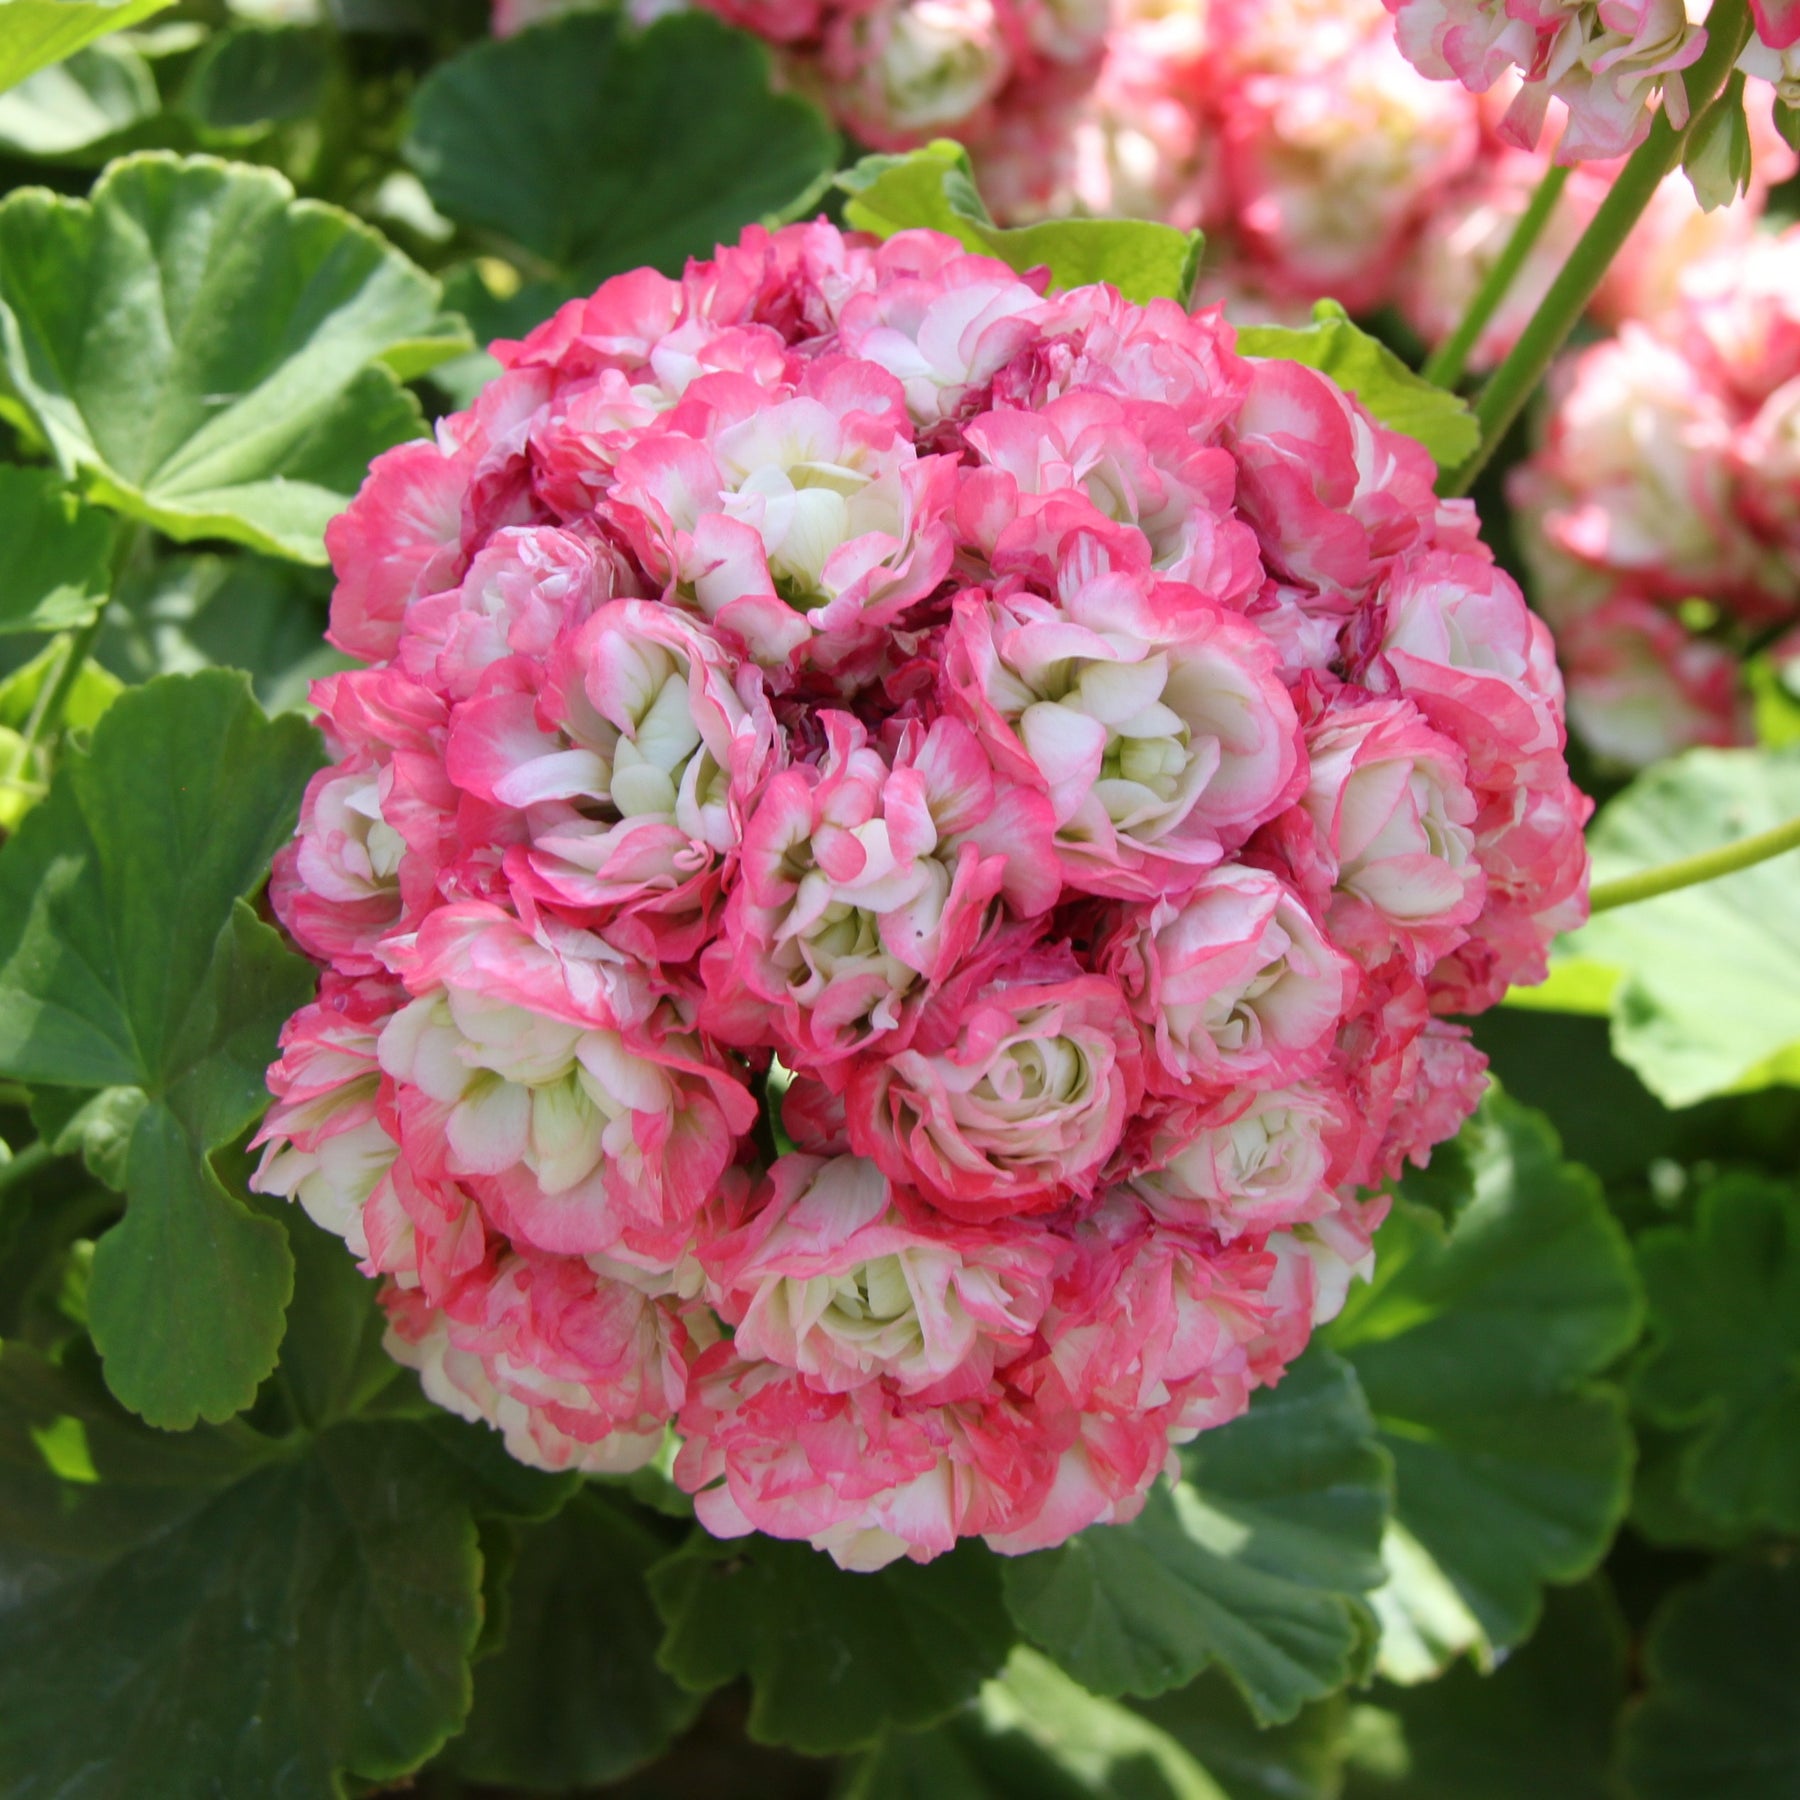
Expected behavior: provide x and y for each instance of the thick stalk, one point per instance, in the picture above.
(1690, 871)
(1451, 357)
(46, 715)
(1517, 378)
(22, 1165)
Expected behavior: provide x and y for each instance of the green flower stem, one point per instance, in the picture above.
(21, 1166)
(46, 715)
(1517, 378)
(1690, 871)
(1451, 357)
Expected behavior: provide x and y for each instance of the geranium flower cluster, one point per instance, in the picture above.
(1319, 162)
(1607, 61)
(1292, 131)
(895, 73)
(1661, 512)
(1078, 769)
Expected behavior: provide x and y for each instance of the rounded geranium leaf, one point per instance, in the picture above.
(1541, 1724)
(1704, 984)
(560, 141)
(574, 1696)
(245, 400)
(1258, 1562)
(81, 111)
(1718, 1718)
(129, 960)
(1723, 1363)
(1478, 1347)
(57, 550)
(904, 1646)
(36, 33)
(258, 1618)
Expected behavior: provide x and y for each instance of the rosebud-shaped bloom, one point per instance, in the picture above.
(324, 1144)
(1334, 149)
(1333, 496)
(1152, 1317)
(576, 1369)
(1453, 633)
(525, 587)
(1249, 1162)
(1233, 985)
(834, 1278)
(632, 768)
(1151, 717)
(770, 507)
(864, 880)
(1634, 477)
(903, 69)
(348, 879)
(1392, 827)
(1606, 60)
(1012, 1092)
(866, 1475)
(943, 335)
(1641, 687)
(518, 1077)
(1135, 463)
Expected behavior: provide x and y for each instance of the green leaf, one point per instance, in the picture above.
(58, 553)
(1541, 1725)
(207, 1614)
(935, 188)
(248, 80)
(1034, 1736)
(36, 33)
(1719, 1718)
(80, 108)
(574, 1696)
(332, 1360)
(128, 959)
(1300, 1760)
(833, 1658)
(1707, 999)
(1401, 400)
(188, 1292)
(188, 613)
(200, 348)
(560, 141)
(1477, 1347)
(1723, 1360)
(1259, 1561)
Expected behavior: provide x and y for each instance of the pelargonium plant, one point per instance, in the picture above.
(802, 985)
(1054, 771)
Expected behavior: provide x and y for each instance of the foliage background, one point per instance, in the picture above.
(1522, 1524)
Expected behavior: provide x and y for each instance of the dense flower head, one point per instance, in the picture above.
(1661, 511)
(903, 848)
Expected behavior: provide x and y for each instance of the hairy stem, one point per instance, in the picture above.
(1451, 357)
(1691, 871)
(1517, 378)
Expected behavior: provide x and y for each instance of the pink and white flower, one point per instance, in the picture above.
(1234, 985)
(1010, 1095)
